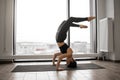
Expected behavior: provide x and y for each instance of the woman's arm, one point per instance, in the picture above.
(54, 57)
(58, 62)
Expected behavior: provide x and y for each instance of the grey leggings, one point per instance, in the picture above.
(64, 27)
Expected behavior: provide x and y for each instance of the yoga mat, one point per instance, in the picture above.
(39, 68)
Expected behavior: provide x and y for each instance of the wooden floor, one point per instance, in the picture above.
(112, 72)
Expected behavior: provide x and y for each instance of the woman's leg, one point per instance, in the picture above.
(78, 19)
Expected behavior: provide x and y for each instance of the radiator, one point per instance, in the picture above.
(106, 35)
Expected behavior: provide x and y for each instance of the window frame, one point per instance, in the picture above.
(94, 41)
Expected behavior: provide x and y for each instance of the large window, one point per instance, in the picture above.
(36, 25)
(80, 38)
(37, 22)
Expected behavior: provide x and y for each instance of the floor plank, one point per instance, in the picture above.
(111, 72)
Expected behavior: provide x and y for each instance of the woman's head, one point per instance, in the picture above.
(72, 63)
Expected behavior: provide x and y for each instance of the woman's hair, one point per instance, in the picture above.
(73, 64)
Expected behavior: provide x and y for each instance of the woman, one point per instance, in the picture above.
(65, 50)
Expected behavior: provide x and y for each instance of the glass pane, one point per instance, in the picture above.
(36, 25)
(80, 38)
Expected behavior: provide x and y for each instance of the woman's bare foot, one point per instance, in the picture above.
(60, 69)
(83, 26)
(91, 18)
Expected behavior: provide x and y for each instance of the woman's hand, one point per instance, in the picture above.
(83, 26)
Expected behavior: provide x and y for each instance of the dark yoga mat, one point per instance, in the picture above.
(38, 68)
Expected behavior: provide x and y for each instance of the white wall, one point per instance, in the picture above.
(6, 27)
(9, 27)
(117, 29)
(111, 8)
(2, 25)
(110, 13)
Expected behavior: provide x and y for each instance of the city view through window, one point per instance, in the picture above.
(80, 38)
(37, 22)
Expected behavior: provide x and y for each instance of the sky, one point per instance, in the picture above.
(38, 20)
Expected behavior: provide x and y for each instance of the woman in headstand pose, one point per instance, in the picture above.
(65, 50)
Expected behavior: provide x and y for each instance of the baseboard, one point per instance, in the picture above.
(6, 61)
(116, 61)
(49, 60)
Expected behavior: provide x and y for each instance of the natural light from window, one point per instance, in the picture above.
(80, 38)
(37, 22)
(36, 25)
